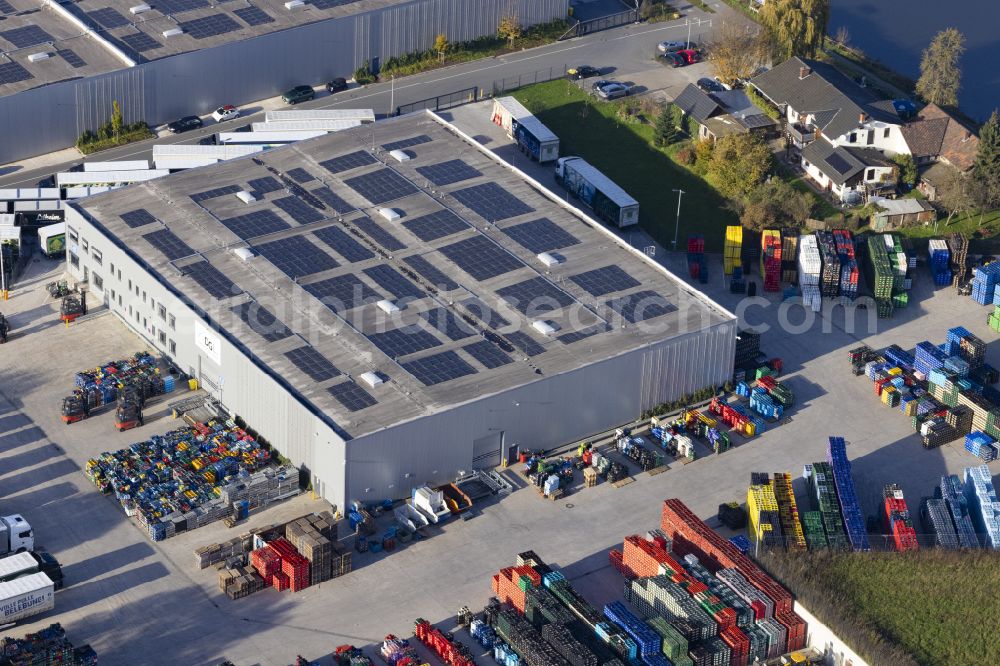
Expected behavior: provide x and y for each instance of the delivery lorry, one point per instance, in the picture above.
(52, 239)
(16, 535)
(30, 562)
(602, 195)
(25, 597)
(535, 139)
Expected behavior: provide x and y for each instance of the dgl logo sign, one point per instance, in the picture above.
(208, 342)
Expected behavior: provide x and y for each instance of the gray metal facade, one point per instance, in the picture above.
(51, 118)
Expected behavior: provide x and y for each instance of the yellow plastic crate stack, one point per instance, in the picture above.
(733, 249)
(788, 511)
(763, 510)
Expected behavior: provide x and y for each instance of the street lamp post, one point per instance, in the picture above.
(677, 225)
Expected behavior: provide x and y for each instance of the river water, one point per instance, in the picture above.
(897, 31)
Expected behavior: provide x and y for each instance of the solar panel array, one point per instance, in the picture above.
(447, 173)
(381, 186)
(407, 143)
(29, 35)
(13, 72)
(253, 16)
(435, 225)
(342, 292)
(353, 160)
(404, 341)
(137, 218)
(329, 4)
(312, 363)
(375, 231)
(168, 244)
(298, 174)
(444, 321)
(262, 186)
(641, 306)
(298, 210)
(332, 199)
(535, 296)
(582, 334)
(841, 165)
(351, 396)
(296, 256)
(140, 42)
(343, 244)
(211, 279)
(261, 321)
(541, 235)
(491, 202)
(71, 58)
(481, 258)
(488, 354)
(199, 197)
(606, 280)
(210, 26)
(109, 18)
(484, 313)
(179, 6)
(438, 368)
(257, 223)
(6, 8)
(430, 272)
(525, 343)
(393, 281)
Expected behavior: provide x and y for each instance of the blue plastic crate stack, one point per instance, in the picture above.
(47, 647)
(940, 261)
(981, 445)
(762, 403)
(100, 386)
(983, 505)
(984, 282)
(952, 492)
(857, 534)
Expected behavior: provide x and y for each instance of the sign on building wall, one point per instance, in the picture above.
(208, 342)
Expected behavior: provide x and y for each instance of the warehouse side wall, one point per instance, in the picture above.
(51, 117)
(168, 324)
(542, 415)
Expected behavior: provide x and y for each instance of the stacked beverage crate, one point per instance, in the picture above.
(958, 250)
(732, 248)
(830, 275)
(984, 282)
(881, 276)
(789, 253)
(936, 519)
(770, 259)
(983, 504)
(848, 266)
(317, 548)
(810, 268)
(952, 493)
(940, 261)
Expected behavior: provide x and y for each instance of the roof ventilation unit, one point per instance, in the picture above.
(138, 9)
(390, 214)
(549, 259)
(37, 57)
(401, 155)
(544, 327)
(245, 197)
(244, 253)
(292, 4)
(373, 379)
(387, 306)
(173, 32)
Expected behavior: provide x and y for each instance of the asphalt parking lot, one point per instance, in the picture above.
(140, 602)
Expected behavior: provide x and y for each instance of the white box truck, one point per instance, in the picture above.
(29, 562)
(601, 194)
(16, 535)
(26, 596)
(534, 138)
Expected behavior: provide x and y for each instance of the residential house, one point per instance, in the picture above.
(941, 145)
(723, 113)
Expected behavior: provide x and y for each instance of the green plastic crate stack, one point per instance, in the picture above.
(675, 646)
(781, 393)
(900, 299)
(823, 493)
(812, 526)
(898, 261)
(994, 319)
(882, 275)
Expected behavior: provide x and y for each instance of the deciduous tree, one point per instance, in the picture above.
(739, 163)
(797, 27)
(116, 119)
(955, 195)
(775, 203)
(940, 76)
(986, 170)
(906, 169)
(736, 54)
(441, 45)
(509, 29)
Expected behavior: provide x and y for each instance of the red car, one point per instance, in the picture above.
(690, 56)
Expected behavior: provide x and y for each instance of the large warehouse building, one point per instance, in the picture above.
(392, 305)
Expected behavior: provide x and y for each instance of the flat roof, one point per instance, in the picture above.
(461, 263)
(27, 29)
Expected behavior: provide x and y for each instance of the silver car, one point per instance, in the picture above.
(670, 47)
(614, 90)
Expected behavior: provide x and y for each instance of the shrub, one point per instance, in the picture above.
(685, 156)
(363, 75)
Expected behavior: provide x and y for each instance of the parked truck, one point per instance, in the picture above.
(16, 535)
(30, 562)
(53, 240)
(26, 596)
(598, 192)
(534, 138)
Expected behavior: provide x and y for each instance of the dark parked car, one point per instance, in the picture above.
(184, 124)
(690, 56)
(710, 85)
(209, 140)
(582, 72)
(298, 94)
(600, 83)
(673, 60)
(336, 85)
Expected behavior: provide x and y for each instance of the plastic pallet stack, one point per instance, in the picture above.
(46, 647)
(101, 385)
(575, 652)
(645, 638)
(881, 272)
(810, 269)
(789, 254)
(762, 403)
(940, 261)
(747, 347)
(850, 508)
(952, 492)
(830, 274)
(697, 266)
(897, 519)
(934, 513)
(770, 259)
(742, 614)
(732, 249)
(983, 505)
(306, 535)
(822, 490)
(969, 347)
(958, 249)
(981, 445)
(788, 511)
(453, 653)
(512, 583)
(984, 282)
(762, 508)
(660, 595)
(812, 527)
(762, 606)
(673, 645)
(738, 644)
(294, 567)
(848, 266)
(240, 581)
(398, 652)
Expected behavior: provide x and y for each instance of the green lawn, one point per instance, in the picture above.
(623, 151)
(984, 238)
(925, 603)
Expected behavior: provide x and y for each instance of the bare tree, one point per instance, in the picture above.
(843, 36)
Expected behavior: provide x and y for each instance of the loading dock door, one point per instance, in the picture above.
(486, 451)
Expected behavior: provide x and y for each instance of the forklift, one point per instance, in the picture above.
(128, 415)
(75, 408)
(73, 306)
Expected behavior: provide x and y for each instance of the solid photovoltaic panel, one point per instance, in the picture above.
(137, 218)
(179, 6)
(109, 18)
(374, 230)
(210, 26)
(839, 163)
(71, 58)
(438, 368)
(535, 296)
(435, 225)
(211, 279)
(168, 244)
(488, 354)
(541, 235)
(381, 186)
(329, 4)
(393, 281)
(403, 341)
(261, 321)
(583, 334)
(316, 366)
(430, 272)
(212, 194)
(484, 313)
(29, 35)
(298, 210)
(343, 244)
(253, 16)
(481, 258)
(342, 292)
(446, 173)
(332, 199)
(444, 321)
(257, 223)
(406, 143)
(298, 174)
(140, 42)
(296, 257)
(352, 397)
(641, 306)
(13, 72)
(353, 160)
(606, 280)
(6, 8)
(491, 202)
(261, 186)
(525, 343)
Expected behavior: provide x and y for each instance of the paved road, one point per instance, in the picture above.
(625, 53)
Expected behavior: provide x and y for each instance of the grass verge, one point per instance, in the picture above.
(90, 143)
(624, 152)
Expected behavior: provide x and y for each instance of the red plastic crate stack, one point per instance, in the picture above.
(505, 585)
(727, 414)
(739, 645)
(896, 519)
(293, 564)
(643, 558)
(615, 557)
(266, 562)
(771, 261)
(432, 637)
(280, 581)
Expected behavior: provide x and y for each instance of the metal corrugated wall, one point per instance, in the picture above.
(51, 118)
